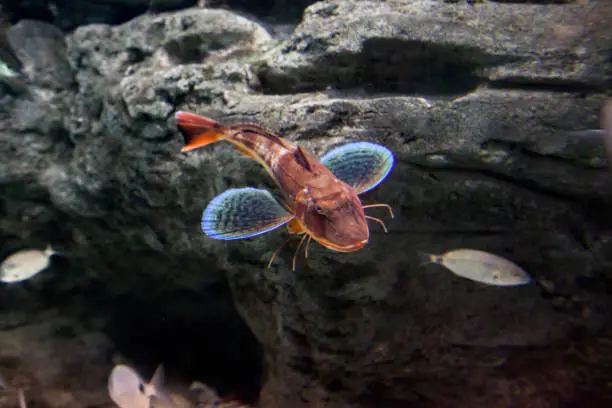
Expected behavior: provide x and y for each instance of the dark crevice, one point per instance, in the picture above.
(212, 347)
(544, 85)
(526, 149)
(388, 66)
(69, 14)
(533, 186)
(271, 11)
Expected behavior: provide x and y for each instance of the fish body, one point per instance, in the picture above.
(480, 266)
(24, 264)
(208, 398)
(318, 198)
(21, 400)
(127, 389)
(178, 400)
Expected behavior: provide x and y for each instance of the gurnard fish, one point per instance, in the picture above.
(319, 199)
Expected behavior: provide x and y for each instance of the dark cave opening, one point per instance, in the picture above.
(197, 338)
(69, 14)
(279, 11)
(157, 309)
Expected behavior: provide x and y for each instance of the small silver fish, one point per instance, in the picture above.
(208, 398)
(24, 264)
(480, 266)
(127, 389)
(206, 395)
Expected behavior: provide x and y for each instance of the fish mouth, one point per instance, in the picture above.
(355, 246)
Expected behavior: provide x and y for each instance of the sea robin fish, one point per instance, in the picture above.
(318, 198)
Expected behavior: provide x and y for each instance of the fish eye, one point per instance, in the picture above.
(496, 275)
(141, 388)
(318, 208)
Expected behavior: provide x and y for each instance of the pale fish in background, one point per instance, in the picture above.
(21, 399)
(208, 398)
(605, 133)
(20, 394)
(480, 266)
(127, 389)
(24, 264)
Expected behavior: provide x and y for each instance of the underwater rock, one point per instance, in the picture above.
(474, 100)
(58, 363)
(407, 46)
(41, 49)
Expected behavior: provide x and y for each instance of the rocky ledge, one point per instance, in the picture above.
(474, 99)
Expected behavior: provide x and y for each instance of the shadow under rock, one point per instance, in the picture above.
(388, 66)
(196, 336)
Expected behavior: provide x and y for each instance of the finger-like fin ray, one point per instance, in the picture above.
(302, 158)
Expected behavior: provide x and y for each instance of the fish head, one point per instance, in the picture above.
(334, 217)
(510, 276)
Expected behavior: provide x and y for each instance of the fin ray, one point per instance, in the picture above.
(243, 213)
(21, 398)
(362, 165)
(295, 227)
(302, 158)
(198, 131)
(159, 390)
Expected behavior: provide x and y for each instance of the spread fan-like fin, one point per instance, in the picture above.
(362, 165)
(242, 213)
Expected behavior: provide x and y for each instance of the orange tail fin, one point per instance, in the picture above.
(197, 130)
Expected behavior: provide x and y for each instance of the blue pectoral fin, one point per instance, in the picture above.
(362, 165)
(241, 213)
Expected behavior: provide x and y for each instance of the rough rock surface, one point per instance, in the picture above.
(473, 98)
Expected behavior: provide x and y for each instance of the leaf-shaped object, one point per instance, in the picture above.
(243, 213)
(362, 165)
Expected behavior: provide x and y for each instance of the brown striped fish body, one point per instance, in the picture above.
(324, 207)
(318, 197)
